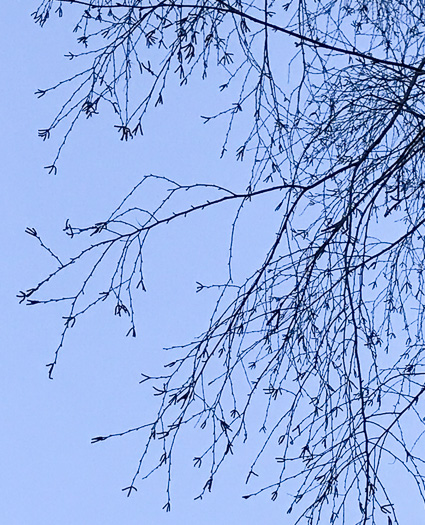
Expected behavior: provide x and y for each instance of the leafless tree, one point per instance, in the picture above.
(321, 349)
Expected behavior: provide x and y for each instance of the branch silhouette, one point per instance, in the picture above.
(318, 353)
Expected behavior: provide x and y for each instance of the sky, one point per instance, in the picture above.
(50, 473)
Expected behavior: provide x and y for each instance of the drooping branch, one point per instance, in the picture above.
(307, 338)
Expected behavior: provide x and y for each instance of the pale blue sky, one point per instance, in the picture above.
(49, 472)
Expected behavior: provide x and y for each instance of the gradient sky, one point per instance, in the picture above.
(50, 473)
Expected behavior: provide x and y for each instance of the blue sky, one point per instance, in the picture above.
(50, 473)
